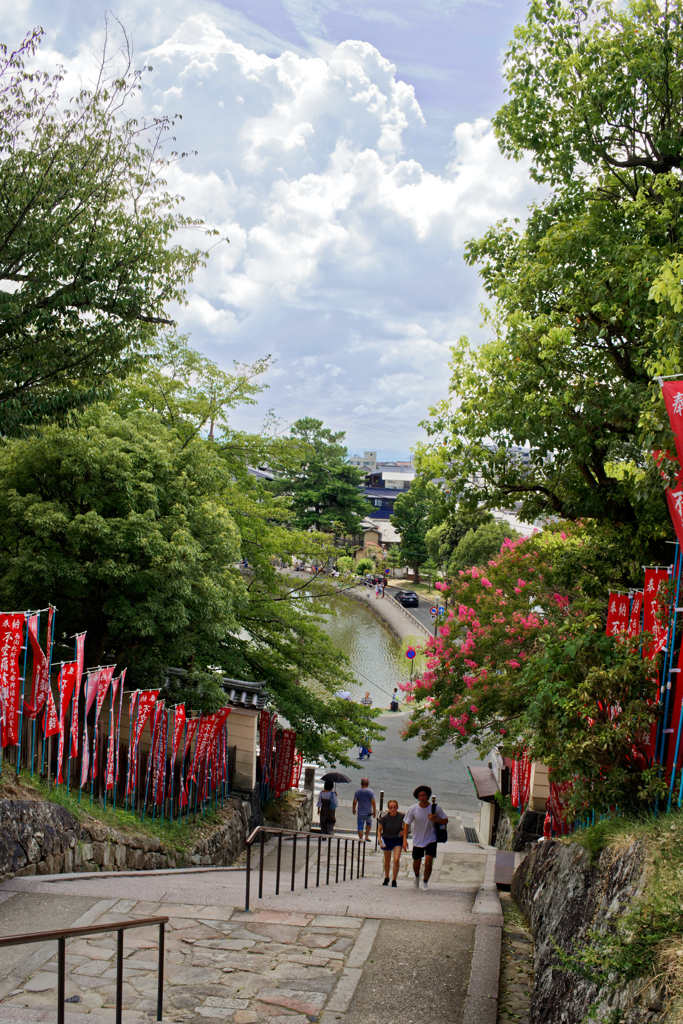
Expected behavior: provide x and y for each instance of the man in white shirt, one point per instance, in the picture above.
(423, 817)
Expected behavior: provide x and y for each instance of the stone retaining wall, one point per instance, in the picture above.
(293, 810)
(564, 896)
(37, 837)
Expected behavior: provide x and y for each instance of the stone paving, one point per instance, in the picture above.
(296, 958)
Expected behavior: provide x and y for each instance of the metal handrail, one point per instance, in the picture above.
(260, 833)
(62, 934)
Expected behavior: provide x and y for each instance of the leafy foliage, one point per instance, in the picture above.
(324, 490)
(412, 517)
(89, 260)
(522, 662)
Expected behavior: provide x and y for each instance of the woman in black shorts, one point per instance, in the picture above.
(391, 840)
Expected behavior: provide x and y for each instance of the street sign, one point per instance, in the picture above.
(410, 653)
(442, 610)
(432, 610)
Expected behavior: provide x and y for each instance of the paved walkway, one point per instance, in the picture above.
(323, 954)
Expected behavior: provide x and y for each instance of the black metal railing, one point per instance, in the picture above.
(62, 934)
(323, 856)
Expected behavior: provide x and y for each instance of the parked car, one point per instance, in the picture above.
(408, 598)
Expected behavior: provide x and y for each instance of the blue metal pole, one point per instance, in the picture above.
(21, 698)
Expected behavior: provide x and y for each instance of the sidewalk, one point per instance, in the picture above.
(323, 954)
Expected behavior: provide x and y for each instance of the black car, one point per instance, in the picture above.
(408, 598)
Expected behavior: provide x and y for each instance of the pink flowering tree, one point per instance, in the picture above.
(522, 662)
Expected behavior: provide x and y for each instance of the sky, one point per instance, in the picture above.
(345, 150)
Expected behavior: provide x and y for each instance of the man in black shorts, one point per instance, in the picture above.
(424, 835)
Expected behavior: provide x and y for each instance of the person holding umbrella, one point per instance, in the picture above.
(328, 802)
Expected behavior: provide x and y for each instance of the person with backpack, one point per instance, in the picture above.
(327, 805)
(424, 820)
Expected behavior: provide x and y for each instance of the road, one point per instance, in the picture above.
(421, 612)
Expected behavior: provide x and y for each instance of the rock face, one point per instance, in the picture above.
(563, 897)
(37, 837)
(293, 810)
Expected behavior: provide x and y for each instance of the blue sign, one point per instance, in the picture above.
(410, 653)
(432, 611)
(442, 610)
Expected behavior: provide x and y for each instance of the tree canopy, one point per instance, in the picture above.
(324, 490)
(89, 261)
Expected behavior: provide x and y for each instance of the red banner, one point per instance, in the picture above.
(617, 614)
(635, 614)
(11, 642)
(674, 499)
(51, 716)
(40, 675)
(672, 392)
(159, 772)
(654, 612)
(111, 746)
(145, 702)
(192, 724)
(297, 768)
(285, 760)
(178, 726)
(80, 664)
(66, 685)
(104, 678)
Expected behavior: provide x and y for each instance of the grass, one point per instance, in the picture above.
(646, 941)
(177, 836)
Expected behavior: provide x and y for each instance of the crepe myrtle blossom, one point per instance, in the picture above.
(497, 618)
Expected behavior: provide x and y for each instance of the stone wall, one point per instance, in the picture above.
(293, 810)
(37, 837)
(564, 896)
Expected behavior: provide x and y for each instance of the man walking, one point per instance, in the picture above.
(365, 808)
(424, 835)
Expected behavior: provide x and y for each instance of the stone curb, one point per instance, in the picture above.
(343, 993)
(481, 1001)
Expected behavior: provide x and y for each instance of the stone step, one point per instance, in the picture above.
(10, 1014)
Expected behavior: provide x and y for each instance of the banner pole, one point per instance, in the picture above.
(21, 698)
(150, 759)
(49, 643)
(71, 722)
(122, 679)
(181, 774)
(128, 791)
(666, 680)
(166, 757)
(111, 726)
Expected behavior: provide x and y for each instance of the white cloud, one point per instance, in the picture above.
(345, 252)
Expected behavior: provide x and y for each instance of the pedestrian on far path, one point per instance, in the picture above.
(365, 808)
(422, 817)
(394, 700)
(391, 840)
(327, 805)
(366, 700)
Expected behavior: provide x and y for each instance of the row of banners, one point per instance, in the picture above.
(281, 762)
(187, 757)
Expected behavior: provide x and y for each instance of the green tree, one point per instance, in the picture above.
(124, 530)
(324, 490)
(89, 257)
(478, 546)
(581, 316)
(412, 517)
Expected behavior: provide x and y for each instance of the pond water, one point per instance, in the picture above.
(376, 657)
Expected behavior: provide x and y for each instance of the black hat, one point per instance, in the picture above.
(421, 789)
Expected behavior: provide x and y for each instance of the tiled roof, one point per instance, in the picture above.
(240, 693)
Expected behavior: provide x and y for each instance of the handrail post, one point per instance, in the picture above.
(279, 861)
(260, 865)
(336, 868)
(358, 858)
(381, 808)
(363, 875)
(160, 979)
(346, 850)
(308, 850)
(119, 976)
(329, 852)
(61, 978)
(248, 880)
(317, 870)
(353, 854)
(293, 862)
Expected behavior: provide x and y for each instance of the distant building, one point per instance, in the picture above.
(366, 461)
(376, 538)
(384, 484)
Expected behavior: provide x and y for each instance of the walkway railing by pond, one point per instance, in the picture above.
(330, 855)
(62, 934)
